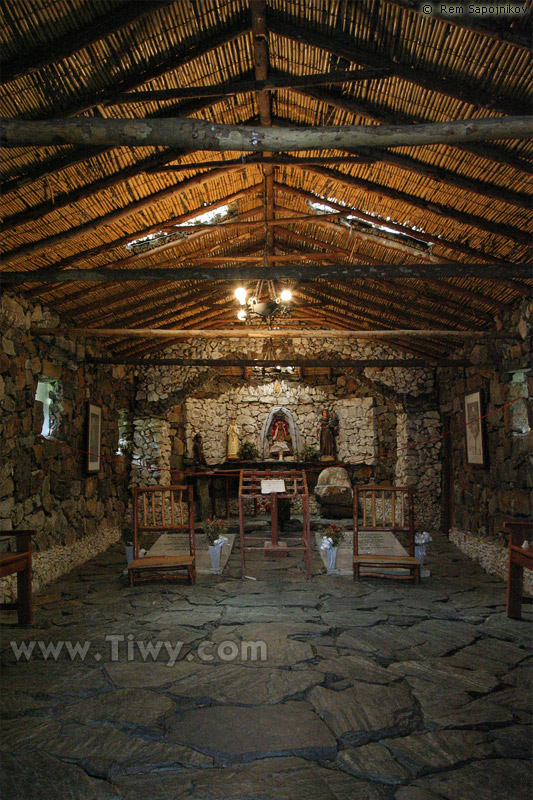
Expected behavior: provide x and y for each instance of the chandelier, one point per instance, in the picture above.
(265, 310)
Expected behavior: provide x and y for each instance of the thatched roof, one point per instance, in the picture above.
(81, 207)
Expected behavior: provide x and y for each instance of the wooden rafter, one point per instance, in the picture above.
(356, 53)
(84, 256)
(42, 245)
(450, 312)
(65, 47)
(184, 54)
(475, 23)
(414, 165)
(424, 236)
(440, 210)
(332, 362)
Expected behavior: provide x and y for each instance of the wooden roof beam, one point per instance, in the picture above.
(334, 363)
(194, 133)
(257, 332)
(301, 272)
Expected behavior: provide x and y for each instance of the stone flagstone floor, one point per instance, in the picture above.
(375, 691)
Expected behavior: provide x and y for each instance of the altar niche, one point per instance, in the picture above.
(272, 440)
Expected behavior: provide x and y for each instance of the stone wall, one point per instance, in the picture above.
(358, 422)
(43, 482)
(376, 407)
(484, 496)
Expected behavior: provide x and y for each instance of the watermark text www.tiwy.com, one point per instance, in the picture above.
(475, 9)
(127, 648)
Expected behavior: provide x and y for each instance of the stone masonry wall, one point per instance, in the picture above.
(43, 482)
(358, 435)
(484, 497)
(375, 406)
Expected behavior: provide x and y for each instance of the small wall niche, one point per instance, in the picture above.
(49, 393)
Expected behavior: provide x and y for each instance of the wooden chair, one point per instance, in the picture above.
(384, 508)
(164, 509)
(518, 559)
(19, 563)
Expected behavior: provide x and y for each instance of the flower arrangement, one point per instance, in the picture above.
(310, 453)
(215, 529)
(422, 538)
(333, 535)
(248, 451)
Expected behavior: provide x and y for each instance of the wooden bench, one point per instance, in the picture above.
(384, 508)
(518, 559)
(19, 563)
(163, 509)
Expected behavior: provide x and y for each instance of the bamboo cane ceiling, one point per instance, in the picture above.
(81, 207)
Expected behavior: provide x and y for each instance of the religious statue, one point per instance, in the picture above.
(328, 430)
(280, 439)
(233, 441)
(198, 457)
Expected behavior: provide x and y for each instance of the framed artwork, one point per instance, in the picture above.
(94, 435)
(475, 445)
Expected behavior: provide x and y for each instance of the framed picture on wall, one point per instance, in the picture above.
(475, 444)
(94, 436)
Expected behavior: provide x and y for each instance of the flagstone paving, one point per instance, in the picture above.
(278, 688)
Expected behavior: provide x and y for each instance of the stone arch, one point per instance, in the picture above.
(280, 411)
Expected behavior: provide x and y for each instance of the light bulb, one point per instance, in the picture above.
(286, 296)
(242, 315)
(240, 294)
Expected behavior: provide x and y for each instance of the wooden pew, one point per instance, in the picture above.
(518, 559)
(384, 508)
(163, 509)
(19, 563)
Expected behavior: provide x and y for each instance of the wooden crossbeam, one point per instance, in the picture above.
(348, 363)
(195, 133)
(241, 86)
(299, 272)
(265, 333)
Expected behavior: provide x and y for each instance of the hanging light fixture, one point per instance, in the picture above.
(263, 310)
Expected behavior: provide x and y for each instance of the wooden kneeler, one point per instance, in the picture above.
(384, 508)
(163, 509)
